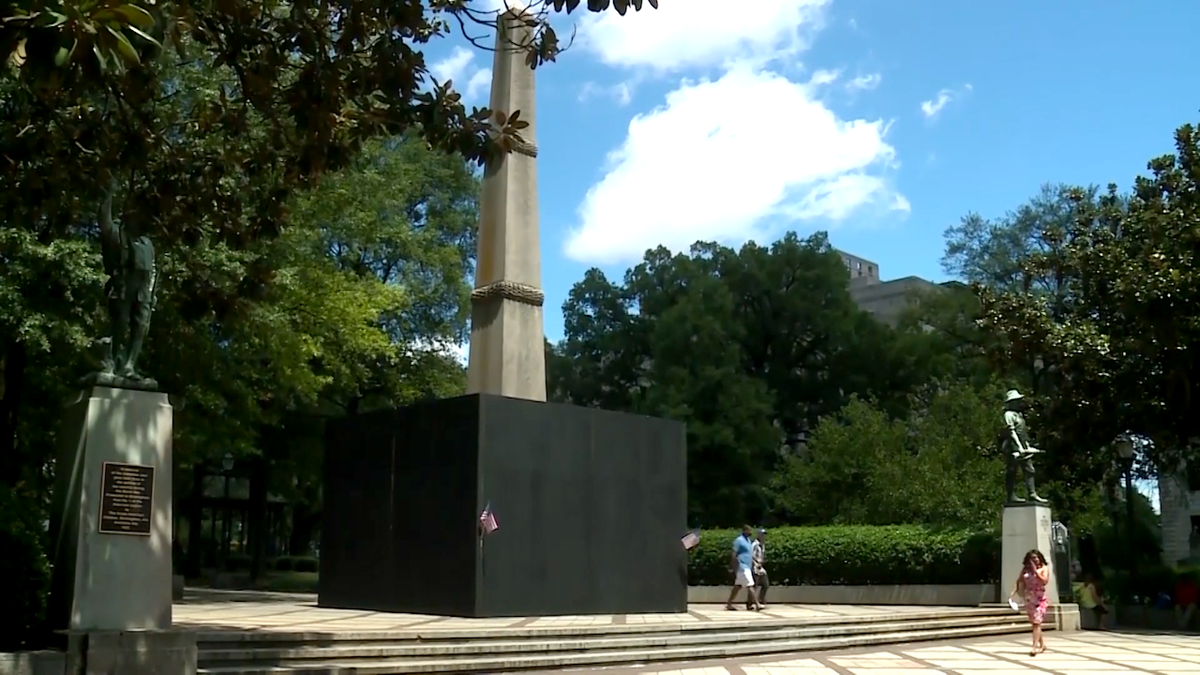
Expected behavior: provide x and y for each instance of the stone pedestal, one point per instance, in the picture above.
(1026, 527)
(111, 520)
(508, 353)
(134, 653)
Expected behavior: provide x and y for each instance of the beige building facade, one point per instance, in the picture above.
(885, 300)
(1179, 513)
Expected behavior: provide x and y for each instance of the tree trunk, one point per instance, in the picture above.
(14, 364)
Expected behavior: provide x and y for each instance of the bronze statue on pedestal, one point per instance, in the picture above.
(128, 256)
(1018, 452)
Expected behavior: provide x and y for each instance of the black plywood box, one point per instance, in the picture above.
(591, 507)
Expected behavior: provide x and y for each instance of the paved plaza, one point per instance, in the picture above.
(1078, 653)
(204, 609)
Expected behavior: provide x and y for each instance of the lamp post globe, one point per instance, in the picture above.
(1125, 450)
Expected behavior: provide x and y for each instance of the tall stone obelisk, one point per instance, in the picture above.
(507, 354)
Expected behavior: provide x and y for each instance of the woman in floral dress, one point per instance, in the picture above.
(1031, 586)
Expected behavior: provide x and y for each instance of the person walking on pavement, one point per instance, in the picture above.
(741, 561)
(757, 556)
(1031, 586)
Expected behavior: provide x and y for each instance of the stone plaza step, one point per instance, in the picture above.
(476, 651)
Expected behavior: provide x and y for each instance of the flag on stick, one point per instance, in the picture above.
(691, 540)
(487, 520)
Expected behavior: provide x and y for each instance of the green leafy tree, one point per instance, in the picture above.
(751, 347)
(993, 256)
(1120, 341)
(990, 252)
(602, 358)
(862, 466)
(694, 368)
(212, 119)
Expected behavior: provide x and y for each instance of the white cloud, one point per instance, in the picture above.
(622, 92)
(453, 67)
(742, 152)
(460, 66)
(864, 82)
(683, 34)
(934, 106)
(480, 82)
(722, 159)
(822, 77)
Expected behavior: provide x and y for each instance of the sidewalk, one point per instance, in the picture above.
(1079, 653)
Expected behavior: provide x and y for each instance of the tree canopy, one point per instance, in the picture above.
(1118, 338)
(217, 122)
(751, 347)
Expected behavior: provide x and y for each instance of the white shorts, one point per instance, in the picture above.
(744, 577)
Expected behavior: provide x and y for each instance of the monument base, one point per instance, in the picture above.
(111, 521)
(133, 653)
(1026, 527)
(590, 505)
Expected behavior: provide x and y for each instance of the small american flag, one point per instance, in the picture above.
(691, 540)
(487, 520)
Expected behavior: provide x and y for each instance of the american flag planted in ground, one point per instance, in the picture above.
(487, 520)
(691, 540)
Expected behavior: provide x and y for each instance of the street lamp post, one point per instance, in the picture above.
(226, 470)
(1125, 452)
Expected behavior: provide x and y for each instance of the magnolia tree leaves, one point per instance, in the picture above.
(91, 80)
(1118, 337)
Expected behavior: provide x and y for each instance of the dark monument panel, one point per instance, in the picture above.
(590, 506)
(641, 460)
(604, 494)
(534, 466)
(126, 499)
(434, 516)
(356, 556)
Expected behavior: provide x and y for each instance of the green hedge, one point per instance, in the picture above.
(857, 556)
(296, 564)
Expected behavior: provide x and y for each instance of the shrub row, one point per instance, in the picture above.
(857, 556)
(296, 564)
(242, 563)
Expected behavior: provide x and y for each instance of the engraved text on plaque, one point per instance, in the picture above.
(126, 492)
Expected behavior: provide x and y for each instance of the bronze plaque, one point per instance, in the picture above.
(126, 493)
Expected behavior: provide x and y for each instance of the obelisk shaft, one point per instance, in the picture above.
(507, 354)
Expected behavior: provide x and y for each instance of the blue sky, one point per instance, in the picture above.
(881, 122)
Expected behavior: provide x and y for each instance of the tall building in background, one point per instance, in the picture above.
(1179, 513)
(885, 300)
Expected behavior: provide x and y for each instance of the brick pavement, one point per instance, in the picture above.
(1079, 653)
